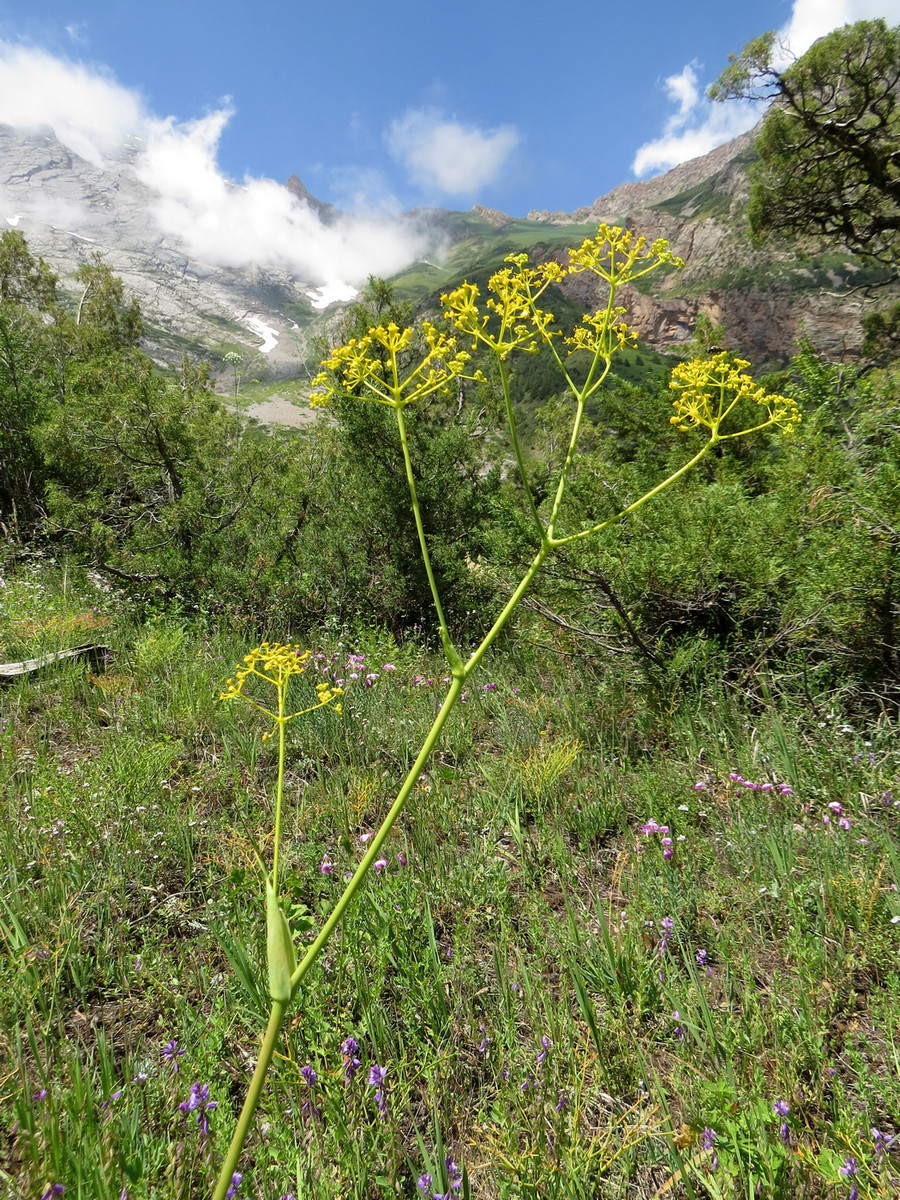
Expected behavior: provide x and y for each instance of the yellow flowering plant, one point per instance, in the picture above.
(397, 367)
(276, 665)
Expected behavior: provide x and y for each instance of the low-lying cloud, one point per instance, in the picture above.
(442, 155)
(223, 223)
(698, 125)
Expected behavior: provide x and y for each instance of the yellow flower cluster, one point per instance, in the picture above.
(617, 256)
(373, 366)
(519, 321)
(384, 365)
(710, 390)
(601, 334)
(276, 663)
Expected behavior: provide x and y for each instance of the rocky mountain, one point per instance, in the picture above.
(765, 298)
(69, 208)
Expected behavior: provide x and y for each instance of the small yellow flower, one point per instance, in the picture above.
(617, 256)
(710, 390)
(518, 322)
(276, 664)
(377, 366)
(601, 335)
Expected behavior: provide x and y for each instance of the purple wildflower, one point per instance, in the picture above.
(562, 1102)
(454, 1175)
(379, 864)
(350, 1049)
(707, 1139)
(41, 1095)
(424, 1184)
(55, 1189)
(849, 1169)
(171, 1054)
(401, 859)
(309, 1075)
(650, 827)
(544, 1051)
(881, 1141)
(376, 1080)
(198, 1101)
(678, 1031)
(666, 926)
(326, 866)
(234, 1185)
(781, 1108)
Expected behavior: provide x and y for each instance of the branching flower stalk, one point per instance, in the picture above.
(398, 367)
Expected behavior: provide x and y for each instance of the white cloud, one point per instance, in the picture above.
(683, 90)
(812, 19)
(89, 111)
(256, 222)
(445, 156)
(259, 221)
(698, 125)
(363, 190)
(719, 123)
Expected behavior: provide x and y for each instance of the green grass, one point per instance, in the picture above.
(530, 907)
(479, 247)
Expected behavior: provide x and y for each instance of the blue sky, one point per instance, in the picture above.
(379, 110)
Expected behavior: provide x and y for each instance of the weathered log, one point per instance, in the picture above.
(97, 655)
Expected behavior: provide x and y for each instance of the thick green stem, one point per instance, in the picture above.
(449, 649)
(514, 438)
(574, 537)
(279, 787)
(412, 778)
(266, 1051)
(506, 612)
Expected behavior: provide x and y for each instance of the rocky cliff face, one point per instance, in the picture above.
(68, 209)
(765, 298)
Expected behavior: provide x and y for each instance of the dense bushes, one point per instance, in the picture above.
(778, 560)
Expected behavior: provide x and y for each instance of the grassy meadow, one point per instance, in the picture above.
(627, 942)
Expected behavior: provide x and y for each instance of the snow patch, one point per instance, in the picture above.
(14, 220)
(261, 329)
(331, 293)
(80, 237)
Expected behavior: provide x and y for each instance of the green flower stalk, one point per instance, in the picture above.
(397, 367)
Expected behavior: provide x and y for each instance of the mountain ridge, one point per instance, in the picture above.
(69, 208)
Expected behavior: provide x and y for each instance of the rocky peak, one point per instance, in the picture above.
(298, 189)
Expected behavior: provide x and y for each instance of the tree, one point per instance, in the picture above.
(829, 151)
(373, 543)
(27, 298)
